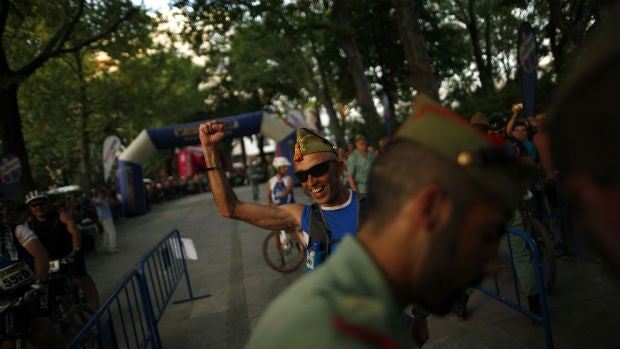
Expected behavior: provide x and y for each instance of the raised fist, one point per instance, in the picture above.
(211, 133)
(517, 107)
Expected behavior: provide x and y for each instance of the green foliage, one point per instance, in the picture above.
(49, 123)
(147, 91)
(34, 33)
(278, 53)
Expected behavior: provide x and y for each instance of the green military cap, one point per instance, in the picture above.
(359, 137)
(309, 142)
(492, 164)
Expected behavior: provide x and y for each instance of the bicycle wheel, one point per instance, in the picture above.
(74, 320)
(544, 242)
(285, 257)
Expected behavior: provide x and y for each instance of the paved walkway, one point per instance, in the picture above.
(585, 306)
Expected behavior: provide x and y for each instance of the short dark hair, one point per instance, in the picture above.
(520, 123)
(404, 169)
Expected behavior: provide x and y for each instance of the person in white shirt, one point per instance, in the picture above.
(280, 186)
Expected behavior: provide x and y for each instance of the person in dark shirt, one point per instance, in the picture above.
(61, 238)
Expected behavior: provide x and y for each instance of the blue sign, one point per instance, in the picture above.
(187, 134)
(528, 61)
(10, 172)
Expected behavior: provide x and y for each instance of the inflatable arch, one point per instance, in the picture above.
(150, 140)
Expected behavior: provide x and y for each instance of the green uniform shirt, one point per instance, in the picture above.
(358, 166)
(345, 303)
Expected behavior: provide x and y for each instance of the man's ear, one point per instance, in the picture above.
(432, 208)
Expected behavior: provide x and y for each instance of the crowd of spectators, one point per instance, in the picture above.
(173, 187)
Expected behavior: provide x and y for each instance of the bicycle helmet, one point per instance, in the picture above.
(34, 195)
(280, 161)
(497, 122)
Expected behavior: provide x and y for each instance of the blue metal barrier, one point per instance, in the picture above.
(123, 321)
(544, 319)
(162, 270)
(129, 317)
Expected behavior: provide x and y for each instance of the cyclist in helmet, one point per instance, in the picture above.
(61, 237)
(21, 252)
(280, 186)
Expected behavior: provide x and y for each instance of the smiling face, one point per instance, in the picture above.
(325, 188)
(38, 208)
(520, 133)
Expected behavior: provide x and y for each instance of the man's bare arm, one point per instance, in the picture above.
(272, 218)
(40, 257)
(72, 228)
(513, 118)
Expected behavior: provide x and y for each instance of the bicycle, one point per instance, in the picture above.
(70, 311)
(553, 216)
(544, 242)
(284, 250)
(15, 319)
(24, 320)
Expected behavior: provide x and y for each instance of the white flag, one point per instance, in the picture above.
(111, 146)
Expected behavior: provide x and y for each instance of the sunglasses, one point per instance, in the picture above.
(314, 171)
(38, 204)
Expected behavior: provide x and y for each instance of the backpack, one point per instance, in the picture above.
(319, 230)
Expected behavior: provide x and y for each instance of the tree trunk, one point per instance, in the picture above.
(362, 87)
(10, 119)
(484, 69)
(356, 68)
(85, 163)
(244, 155)
(11, 135)
(418, 60)
(572, 27)
(260, 141)
(334, 122)
(322, 93)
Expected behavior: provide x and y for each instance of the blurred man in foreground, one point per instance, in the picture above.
(584, 135)
(439, 198)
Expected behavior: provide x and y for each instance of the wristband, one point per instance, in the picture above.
(213, 168)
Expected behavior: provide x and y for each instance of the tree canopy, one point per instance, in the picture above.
(75, 71)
